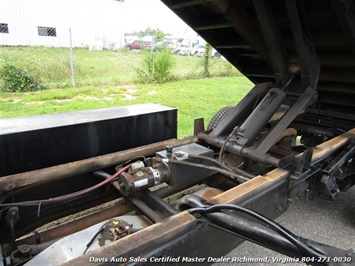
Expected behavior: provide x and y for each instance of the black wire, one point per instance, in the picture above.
(103, 228)
(221, 152)
(275, 226)
(229, 173)
(102, 174)
(221, 164)
(129, 161)
(287, 82)
(206, 158)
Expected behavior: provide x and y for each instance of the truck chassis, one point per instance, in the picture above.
(173, 200)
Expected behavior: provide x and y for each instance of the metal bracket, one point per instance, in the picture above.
(304, 163)
(328, 184)
(302, 182)
(303, 172)
(329, 187)
(335, 165)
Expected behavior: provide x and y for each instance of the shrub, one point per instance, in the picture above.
(156, 66)
(206, 60)
(17, 78)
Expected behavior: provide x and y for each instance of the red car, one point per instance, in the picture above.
(138, 45)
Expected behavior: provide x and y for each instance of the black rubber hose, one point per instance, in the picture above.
(273, 236)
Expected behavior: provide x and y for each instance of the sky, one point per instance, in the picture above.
(136, 14)
(140, 14)
(87, 19)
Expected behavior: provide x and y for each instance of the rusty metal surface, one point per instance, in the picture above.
(8, 183)
(142, 241)
(170, 227)
(210, 193)
(76, 225)
(250, 188)
(29, 219)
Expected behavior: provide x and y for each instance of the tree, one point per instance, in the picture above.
(159, 35)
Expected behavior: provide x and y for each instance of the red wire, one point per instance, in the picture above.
(68, 196)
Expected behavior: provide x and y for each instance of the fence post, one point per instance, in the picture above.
(71, 60)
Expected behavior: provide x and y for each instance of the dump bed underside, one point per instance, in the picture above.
(240, 31)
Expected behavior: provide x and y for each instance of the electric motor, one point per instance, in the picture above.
(140, 177)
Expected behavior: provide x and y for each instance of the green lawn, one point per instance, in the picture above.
(107, 67)
(193, 98)
(107, 78)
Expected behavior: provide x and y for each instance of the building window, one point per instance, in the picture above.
(4, 28)
(47, 31)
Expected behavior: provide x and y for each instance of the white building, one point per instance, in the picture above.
(93, 23)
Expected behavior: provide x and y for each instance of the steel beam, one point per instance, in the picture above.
(11, 182)
(306, 53)
(277, 51)
(246, 27)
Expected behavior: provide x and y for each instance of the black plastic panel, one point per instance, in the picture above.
(30, 143)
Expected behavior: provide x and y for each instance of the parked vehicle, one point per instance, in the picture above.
(182, 49)
(198, 50)
(160, 45)
(138, 45)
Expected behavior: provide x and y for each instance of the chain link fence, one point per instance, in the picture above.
(53, 40)
(73, 43)
(58, 67)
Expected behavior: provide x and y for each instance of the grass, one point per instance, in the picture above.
(193, 99)
(107, 79)
(107, 67)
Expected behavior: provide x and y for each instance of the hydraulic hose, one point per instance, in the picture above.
(264, 231)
